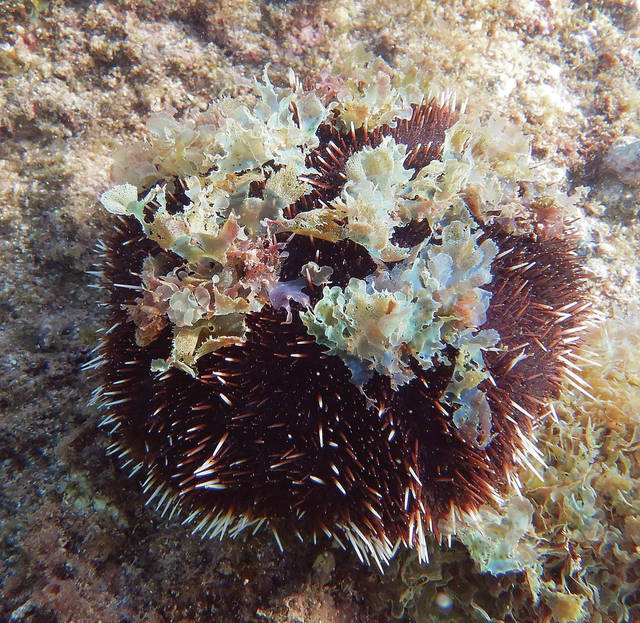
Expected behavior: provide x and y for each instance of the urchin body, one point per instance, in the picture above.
(286, 427)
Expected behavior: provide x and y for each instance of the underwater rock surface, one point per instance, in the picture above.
(77, 542)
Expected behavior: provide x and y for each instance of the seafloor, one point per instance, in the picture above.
(78, 79)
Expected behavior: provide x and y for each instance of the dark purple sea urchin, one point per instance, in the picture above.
(297, 332)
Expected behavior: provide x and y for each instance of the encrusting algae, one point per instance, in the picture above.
(341, 310)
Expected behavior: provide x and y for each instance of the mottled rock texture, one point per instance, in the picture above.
(79, 79)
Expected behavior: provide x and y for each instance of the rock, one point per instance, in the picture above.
(623, 160)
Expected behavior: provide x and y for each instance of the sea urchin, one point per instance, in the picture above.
(339, 315)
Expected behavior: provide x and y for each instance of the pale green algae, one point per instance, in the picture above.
(413, 312)
(376, 180)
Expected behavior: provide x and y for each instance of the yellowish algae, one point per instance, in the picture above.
(587, 508)
(571, 542)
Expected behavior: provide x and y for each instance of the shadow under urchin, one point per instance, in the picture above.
(276, 430)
